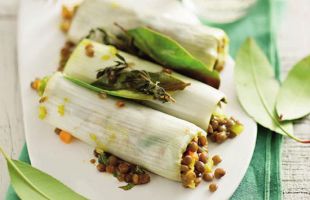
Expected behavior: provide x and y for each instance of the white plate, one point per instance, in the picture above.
(39, 42)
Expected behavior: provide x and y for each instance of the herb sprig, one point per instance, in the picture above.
(118, 77)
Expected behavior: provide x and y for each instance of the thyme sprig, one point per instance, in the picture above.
(117, 77)
(120, 41)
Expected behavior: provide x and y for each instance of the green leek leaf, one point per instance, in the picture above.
(168, 52)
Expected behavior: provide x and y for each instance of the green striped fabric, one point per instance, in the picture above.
(263, 177)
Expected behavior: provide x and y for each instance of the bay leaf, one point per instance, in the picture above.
(293, 100)
(31, 183)
(257, 88)
(168, 52)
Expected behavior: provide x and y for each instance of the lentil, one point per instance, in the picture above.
(89, 50)
(65, 25)
(123, 167)
(144, 178)
(188, 177)
(92, 161)
(221, 128)
(110, 169)
(216, 159)
(208, 177)
(219, 173)
(120, 104)
(121, 177)
(202, 140)
(128, 178)
(112, 160)
(212, 187)
(199, 166)
(96, 154)
(187, 160)
(203, 157)
(192, 147)
(43, 99)
(101, 167)
(67, 13)
(220, 137)
(135, 179)
(57, 131)
(184, 168)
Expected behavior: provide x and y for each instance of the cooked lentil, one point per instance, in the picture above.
(220, 128)
(203, 157)
(57, 131)
(193, 163)
(89, 50)
(121, 169)
(199, 166)
(208, 177)
(193, 146)
(101, 167)
(212, 187)
(219, 173)
(216, 159)
(120, 104)
(187, 160)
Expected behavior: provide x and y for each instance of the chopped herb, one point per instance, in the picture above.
(115, 174)
(103, 159)
(139, 170)
(127, 187)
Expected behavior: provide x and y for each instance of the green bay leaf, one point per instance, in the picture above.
(257, 88)
(168, 52)
(293, 100)
(31, 183)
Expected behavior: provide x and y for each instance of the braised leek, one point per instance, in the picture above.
(210, 45)
(195, 103)
(137, 134)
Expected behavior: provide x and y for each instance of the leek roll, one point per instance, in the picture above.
(195, 103)
(135, 133)
(208, 44)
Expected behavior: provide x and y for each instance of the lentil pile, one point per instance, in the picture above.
(65, 54)
(195, 162)
(221, 128)
(196, 165)
(122, 170)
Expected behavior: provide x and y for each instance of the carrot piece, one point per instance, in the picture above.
(65, 137)
(35, 84)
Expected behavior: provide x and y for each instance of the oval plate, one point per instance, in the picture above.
(39, 42)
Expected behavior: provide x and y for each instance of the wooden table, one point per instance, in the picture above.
(293, 42)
